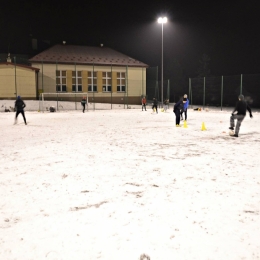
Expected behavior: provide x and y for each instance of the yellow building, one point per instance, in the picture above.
(106, 75)
(18, 80)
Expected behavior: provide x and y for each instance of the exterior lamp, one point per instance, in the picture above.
(162, 20)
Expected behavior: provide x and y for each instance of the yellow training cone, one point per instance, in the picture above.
(185, 124)
(203, 127)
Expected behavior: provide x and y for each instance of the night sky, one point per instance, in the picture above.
(226, 31)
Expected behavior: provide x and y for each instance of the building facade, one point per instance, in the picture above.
(106, 75)
(18, 80)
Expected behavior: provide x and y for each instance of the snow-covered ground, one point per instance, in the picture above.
(116, 184)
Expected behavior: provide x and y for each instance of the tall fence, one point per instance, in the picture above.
(105, 84)
(224, 90)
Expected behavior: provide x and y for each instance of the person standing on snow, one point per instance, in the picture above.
(185, 107)
(143, 103)
(154, 107)
(177, 108)
(83, 103)
(19, 107)
(241, 107)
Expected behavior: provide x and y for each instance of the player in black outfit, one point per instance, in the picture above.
(177, 108)
(19, 106)
(155, 105)
(240, 108)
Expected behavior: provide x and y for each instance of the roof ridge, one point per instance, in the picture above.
(85, 55)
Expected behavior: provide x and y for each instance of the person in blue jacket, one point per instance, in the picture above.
(185, 107)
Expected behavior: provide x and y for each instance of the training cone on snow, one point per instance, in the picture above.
(203, 127)
(185, 124)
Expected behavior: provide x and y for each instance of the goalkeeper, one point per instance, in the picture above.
(240, 108)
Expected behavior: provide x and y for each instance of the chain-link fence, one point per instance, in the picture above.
(224, 90)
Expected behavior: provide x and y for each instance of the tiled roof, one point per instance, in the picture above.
(19, 65)
(70, 54)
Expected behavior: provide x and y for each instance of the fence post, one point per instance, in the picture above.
(111, 85)
(76, 85)
(156, 84)
(190, 92)
(126, 86)
(15, 82)
(204, 92)
(42, 78)
(169, 90)
(221, 97)
(57, 101)
(142, 82)
(241, 84)
(93, 71)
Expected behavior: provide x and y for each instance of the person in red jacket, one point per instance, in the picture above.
(143, 103)
(241, 107)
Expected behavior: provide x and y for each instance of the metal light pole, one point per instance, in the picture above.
(162, 21)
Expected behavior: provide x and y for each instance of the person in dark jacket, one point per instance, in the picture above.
(19, 107)
(155, 105)
(177, 110)
(83, 103)
(241, 107)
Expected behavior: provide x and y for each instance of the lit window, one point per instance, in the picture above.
(120, 81)
(92, 81)
(76, 81)
(61, 81)
(106, 81)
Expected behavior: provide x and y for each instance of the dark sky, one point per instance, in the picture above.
(227, 31)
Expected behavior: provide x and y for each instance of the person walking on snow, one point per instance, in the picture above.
(83, 103)
(155, 105)
(241, 107)
(143, 103)
(185, 107)
(19, 107)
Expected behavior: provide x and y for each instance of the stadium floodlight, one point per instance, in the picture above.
(162, 20)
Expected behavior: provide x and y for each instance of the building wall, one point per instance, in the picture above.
(15, 79)
(135, 81)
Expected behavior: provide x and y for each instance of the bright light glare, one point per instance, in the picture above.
(162, 20)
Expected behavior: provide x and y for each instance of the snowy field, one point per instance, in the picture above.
(116, 184)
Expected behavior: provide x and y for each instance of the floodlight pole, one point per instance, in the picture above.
(162, 21)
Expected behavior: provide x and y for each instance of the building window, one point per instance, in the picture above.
(106, 81)
(76, 81)
(61, 81)
(92, 81)
(120, 79)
